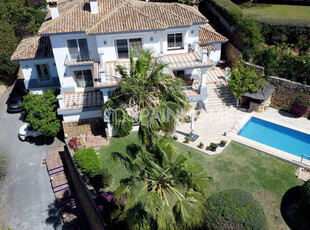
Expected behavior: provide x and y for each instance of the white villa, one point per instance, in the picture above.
(81, 41)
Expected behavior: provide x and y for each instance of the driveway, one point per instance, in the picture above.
(26, 198)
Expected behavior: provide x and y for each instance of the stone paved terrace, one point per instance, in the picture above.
(211, 125)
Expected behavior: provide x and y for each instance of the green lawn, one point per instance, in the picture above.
(278, 11)
(265, 177)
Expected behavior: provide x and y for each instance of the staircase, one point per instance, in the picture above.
(219, 98)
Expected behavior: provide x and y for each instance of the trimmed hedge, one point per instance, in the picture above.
(305, 196)
(234, 209)
(275, 28)
(88, 161)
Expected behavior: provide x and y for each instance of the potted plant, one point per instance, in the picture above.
(213, 146)
(175, 137)
(201, 145)
(223, 143)
(188, 139)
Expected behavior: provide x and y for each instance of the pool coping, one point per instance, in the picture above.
(265, 148)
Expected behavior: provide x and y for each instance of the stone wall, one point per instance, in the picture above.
(84, 192)
(231, 54)
(286, 92)
(76, 128)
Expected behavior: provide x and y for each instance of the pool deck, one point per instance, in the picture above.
(210, 127)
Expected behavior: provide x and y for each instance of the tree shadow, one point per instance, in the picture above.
(292, 210)
(54, 216)
(286, 113)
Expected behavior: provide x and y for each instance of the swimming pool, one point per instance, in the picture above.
(276, 136)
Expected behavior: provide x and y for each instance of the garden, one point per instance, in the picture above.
(237, 176)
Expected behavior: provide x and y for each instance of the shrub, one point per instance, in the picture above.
(305, 195)
(213, 146)
(88, 161)
(188, 139)
(103, 179)
(223, 142)
(234, 209)
(123, 124)
(301, 105)
(75, 143)
(268, 58)
(41, 112)
(201, 144)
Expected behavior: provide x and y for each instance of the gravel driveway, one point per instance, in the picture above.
(26, 198)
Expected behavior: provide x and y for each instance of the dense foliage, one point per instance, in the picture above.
(305, 196)
(103, 179)
(166, 190)
(234, 209)
(301, 105)
(88, 161)
(148, 91)
(245, 79)
(273, 29)
(16, 21)
(41, 112)
(124, 124)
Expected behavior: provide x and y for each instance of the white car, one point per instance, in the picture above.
(24, 134)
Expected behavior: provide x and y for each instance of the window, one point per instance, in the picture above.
(175, 41)
(83, 78)
(43, 73)
(124, 45)
(78, 49)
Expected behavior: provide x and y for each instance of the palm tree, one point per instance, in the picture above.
(149, 87)
(166, 190)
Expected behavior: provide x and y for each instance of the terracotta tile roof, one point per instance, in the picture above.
(208, 35)
(119, 15)
(80, 100)
(32, 48)
(207, 47)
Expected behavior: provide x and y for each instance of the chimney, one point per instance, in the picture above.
(53, 8)
(93, 6)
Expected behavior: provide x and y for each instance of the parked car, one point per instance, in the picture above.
(26, 134)
(15, 101)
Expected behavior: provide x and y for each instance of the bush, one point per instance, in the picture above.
(123, 125)
(268, 58)
(213, 146)
(234, 209)
(305, 195)
(41, 113)
(301, 105)
(88, 161)
(273, 29)
(102, 180)
(187, 139)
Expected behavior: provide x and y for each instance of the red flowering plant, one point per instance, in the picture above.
(75, 143)
(301, 105)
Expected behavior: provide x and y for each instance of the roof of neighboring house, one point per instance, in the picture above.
(119, 16)
(207, 47)
(208, 35)
(33, 48)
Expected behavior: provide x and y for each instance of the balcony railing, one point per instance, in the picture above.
(78, 58)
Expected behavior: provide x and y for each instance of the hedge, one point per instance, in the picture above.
(88, 161)
(275, 28)
(234, 209)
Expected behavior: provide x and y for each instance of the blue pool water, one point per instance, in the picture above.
(276, 136)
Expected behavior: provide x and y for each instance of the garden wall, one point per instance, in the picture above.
(83, 193)
(231, 54)
(286, 91)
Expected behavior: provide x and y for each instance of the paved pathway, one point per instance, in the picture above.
(26, 198)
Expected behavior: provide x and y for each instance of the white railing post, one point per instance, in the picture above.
(60, 98)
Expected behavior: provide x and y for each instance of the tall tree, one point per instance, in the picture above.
(149, 88)
(171, 187)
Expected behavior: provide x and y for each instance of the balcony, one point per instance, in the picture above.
(78, 59)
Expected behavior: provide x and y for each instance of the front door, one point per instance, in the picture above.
(83, 78)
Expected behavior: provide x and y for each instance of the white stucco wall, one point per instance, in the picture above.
(215, 55)
(82, 115)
